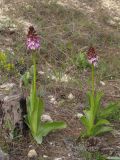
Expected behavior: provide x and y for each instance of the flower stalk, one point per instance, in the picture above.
(93, 81)
(35, 71)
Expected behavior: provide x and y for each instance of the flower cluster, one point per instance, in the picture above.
(92, 56)
(33, 40)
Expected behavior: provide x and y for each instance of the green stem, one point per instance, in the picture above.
(92, 106)
(93, 81)
(34, 77)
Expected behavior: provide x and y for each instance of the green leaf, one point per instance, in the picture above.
(48, 127)
(88, 121)
(102, 122)
(87, 114)
(81, 60)
(106, 112)
(41, 108)
(37, 111)
(113, 158)
(51, 126)
(97, 100)
(91, 100)
(85, 122)
(101, 129)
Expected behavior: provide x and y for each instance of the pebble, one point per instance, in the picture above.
(45, 156)
(102, 83)
(78, 115)
(58, 159)
(41, 72)
(69, 154)
(52, 99)
(46, 118)
(32, 153)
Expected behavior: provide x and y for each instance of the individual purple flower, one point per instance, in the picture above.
(92, 56)
(33, 40)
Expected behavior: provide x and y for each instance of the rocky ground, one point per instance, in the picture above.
(60, 24)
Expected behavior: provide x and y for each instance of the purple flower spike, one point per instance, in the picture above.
(92, 56)
(33, 41)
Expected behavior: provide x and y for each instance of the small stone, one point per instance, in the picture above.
(46, 118)
(51, 143)
(58, 159)
(41, 72)
(50, 96)
(7, 86)
(69, 154)
(78, 115)
(52, 99)
(102, 83)
(32, 153)
(70, 96)
(45, 156)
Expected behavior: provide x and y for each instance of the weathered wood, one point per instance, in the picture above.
(10, 110)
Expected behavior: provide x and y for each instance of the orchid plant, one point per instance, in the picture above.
(94, 118)
(35, 104)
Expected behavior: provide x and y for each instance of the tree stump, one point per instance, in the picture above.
(12, 110)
